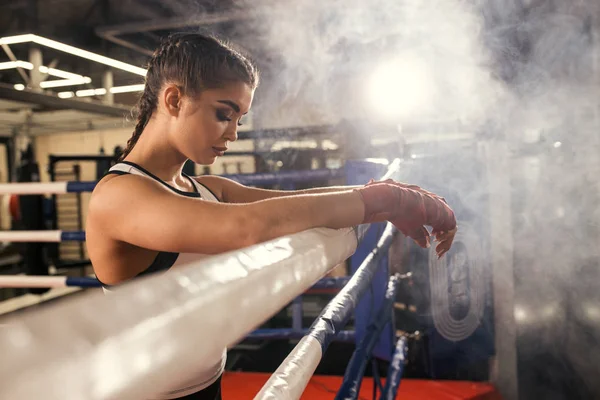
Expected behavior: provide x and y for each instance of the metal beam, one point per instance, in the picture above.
(157, 8)
(111, 32)
(9, 93)
(173, 23)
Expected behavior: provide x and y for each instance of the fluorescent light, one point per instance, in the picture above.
(50, 71)
(24, 65)
(127, 88)
(59, 73)
(65, 82)
(66, 95)
(8, 65)
(17, 39)
(16, 64)
(73, 50)
(19, 86)
(102, 91)
(90, 92)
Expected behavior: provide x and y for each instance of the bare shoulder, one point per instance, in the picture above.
(115, 191)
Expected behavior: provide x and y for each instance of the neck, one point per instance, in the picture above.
(154, 153)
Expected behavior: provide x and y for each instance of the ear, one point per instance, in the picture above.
(172, 97)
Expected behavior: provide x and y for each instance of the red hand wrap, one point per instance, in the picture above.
(408, 209)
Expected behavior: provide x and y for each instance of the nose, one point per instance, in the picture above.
(231, 133)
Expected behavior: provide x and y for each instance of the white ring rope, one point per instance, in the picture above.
(30, 236)
(20, 281)
(155, 332)
(33, 188)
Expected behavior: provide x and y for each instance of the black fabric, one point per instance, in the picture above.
(163, 261)
(117, 173)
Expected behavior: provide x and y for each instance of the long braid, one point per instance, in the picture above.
(148, 101)
(145, 108)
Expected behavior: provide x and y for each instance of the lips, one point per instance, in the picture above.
(219, 151)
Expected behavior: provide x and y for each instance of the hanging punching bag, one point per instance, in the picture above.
(31, 209)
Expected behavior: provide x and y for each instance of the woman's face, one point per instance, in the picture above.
(207, 123)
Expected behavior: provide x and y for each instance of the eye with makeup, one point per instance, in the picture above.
(225, 115)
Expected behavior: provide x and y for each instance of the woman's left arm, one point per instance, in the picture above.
(230, 191)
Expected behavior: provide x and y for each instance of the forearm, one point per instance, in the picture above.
(279, 216)
(250, 195)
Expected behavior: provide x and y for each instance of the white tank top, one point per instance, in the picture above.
(165, 261)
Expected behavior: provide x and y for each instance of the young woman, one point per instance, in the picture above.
(147, 216)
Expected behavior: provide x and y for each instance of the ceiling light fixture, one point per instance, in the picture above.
(45, 70)
(102, 91)
(65, 82)
(28, 38)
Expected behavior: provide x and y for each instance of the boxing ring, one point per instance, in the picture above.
(92, 347)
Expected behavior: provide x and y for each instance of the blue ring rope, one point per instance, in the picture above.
(338, 311)
(82, 282)
(343, 336)
(396, 370)
(77, 187)
(324, 283)
(355, 370)
(72, 236)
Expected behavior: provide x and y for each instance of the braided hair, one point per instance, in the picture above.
(194, 62)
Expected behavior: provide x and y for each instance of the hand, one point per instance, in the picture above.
(421, 235)
(445, 240)
(409, 208)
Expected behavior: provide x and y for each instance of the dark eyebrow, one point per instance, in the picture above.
(230, 104)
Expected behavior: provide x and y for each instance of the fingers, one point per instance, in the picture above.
(445, 240)
(421, 237)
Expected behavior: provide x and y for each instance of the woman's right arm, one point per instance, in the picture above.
(140, 212)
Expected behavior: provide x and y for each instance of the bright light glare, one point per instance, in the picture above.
(520, 314)
(592, 312)
(401, 88)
